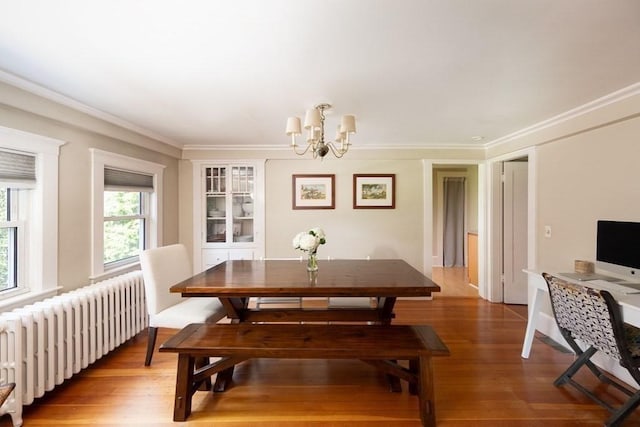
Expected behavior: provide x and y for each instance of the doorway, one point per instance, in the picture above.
(500, 255)
(455, 215)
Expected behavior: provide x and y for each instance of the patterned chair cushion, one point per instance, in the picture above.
(583, 312)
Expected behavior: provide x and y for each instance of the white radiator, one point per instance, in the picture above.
(43, 344)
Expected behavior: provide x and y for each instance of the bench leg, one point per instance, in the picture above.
(223, 379)
(394, 382)
(414, 368)
(201, 362)
(184, 387)
(426, 394)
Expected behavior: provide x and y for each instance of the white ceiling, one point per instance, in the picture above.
(414, 72)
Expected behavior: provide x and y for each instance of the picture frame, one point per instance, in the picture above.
(374, 191)
(313, 191)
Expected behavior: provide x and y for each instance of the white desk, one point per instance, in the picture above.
(630, 304)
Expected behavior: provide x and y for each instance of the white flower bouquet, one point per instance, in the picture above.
(308, 241)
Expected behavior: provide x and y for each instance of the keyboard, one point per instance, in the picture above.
(624, 288)
(586, 276)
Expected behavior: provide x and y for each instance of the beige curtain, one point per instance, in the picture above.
(453, 238)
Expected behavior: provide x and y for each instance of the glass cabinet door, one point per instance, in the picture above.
(216, 204)
(229, 204)
(242, 181)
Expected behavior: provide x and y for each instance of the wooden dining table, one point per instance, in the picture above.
(236, 282)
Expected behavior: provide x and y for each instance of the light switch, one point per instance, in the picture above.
(547, 231)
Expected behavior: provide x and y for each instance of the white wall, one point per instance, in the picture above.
(583, 178)
(351, 233)
(586, 169)
(82, 132)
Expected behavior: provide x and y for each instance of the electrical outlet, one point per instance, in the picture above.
(547, 231)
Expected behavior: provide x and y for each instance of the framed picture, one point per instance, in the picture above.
(314, 191)
(374, 191)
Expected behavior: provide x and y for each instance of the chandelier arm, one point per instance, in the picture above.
(336, 152)
(301, 153)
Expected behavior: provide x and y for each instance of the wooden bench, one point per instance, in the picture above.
(379, 345)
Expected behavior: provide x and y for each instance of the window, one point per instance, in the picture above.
(126, 216)
(28, 237)
(126, 196)
(8, 240)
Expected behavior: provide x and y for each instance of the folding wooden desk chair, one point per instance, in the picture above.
(594, 317)
(5, 391)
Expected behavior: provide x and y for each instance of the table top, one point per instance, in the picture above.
(372, 278)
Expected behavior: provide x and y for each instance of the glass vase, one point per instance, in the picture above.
(312, 262)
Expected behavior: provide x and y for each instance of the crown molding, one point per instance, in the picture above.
(58, 98)
(617, 96)
(285, 147)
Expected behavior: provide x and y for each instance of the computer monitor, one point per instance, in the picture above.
(618, 248)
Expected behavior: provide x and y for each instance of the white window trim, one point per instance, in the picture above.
(99, 160)
(40, 277)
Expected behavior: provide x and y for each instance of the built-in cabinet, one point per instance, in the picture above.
(228, 212)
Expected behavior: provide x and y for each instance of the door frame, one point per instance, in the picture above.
(428, 209)
(494, 244)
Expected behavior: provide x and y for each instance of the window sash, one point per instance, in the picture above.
(13, 229)
(141, 236)
(143, 233)
(9, 221)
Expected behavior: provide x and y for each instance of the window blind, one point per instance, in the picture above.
(17, 168)
(121, 180)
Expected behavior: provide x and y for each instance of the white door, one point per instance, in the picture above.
(515, 232)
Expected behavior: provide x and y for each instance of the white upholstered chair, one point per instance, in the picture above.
(161, 268)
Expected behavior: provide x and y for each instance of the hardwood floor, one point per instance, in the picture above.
(483, 383)
(453, 282)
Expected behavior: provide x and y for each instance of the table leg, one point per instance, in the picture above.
(386, 310)
(223, 379)
(534, 310)
(387, 304)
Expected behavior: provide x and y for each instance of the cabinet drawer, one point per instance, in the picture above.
(211, 257)
(239, 254)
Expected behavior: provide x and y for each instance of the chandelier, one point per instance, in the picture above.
(314, 124)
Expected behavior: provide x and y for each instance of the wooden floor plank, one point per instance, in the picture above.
(484, 383)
